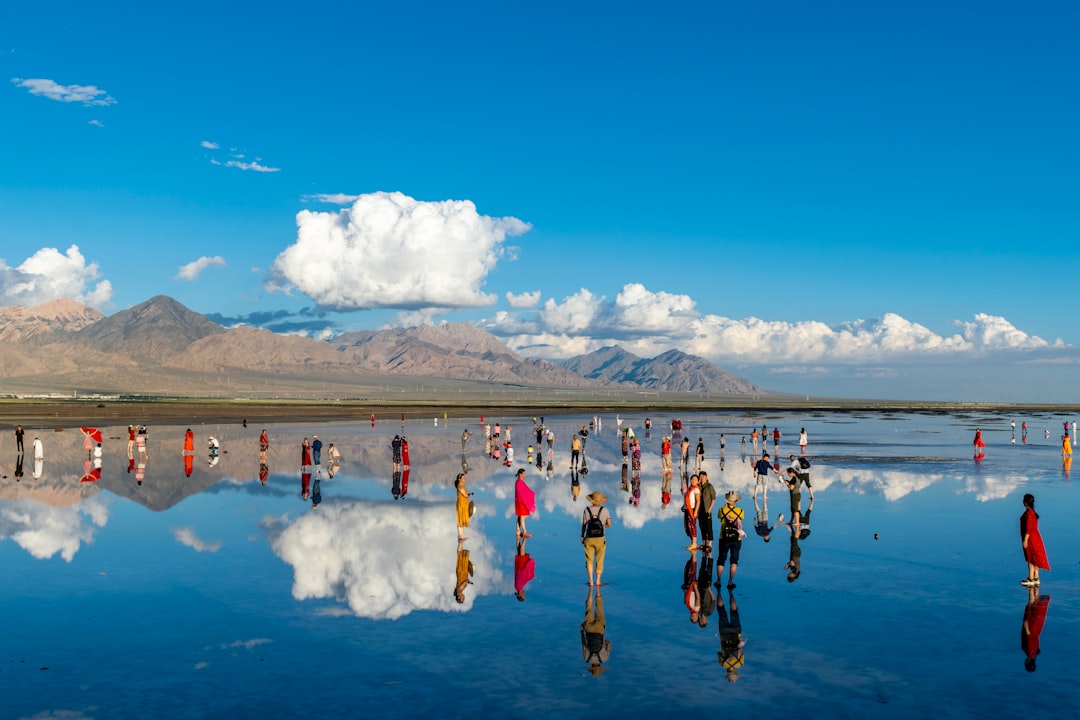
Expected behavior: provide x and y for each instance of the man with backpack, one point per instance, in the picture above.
(801, 466)
(731, 535)
(594, 523)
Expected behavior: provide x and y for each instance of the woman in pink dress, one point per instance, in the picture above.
(1034, 551)
(524, 502)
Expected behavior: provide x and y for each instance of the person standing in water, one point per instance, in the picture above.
(1031, 539)
(463, 496)
(524, 502)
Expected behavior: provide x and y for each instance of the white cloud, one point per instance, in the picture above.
(88, 95)
(383, 561)
(43, 530)
(391, 251)
(524, 300)
(209, 145)
(96, 123)
(187, 536)
(648, 323)
(255, 165)
(332, 198)
(49, 275)
(192, 270)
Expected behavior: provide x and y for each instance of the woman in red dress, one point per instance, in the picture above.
(1034, 551)
(524, 503)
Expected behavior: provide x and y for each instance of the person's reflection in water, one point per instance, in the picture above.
(705, 590)
(189, 464)
(305, 484)
(794, 563)
(1066, 467)
(316, 491)
(1034, 619)
(575, 485)
(689, 586)
(264, 472)
(761, 519)
(395, 487)
(463, 570)
(524, 569)
(595, 648)
(731, 656)
(19, 467)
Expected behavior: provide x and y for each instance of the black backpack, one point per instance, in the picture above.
(594, 526)
(804, 463)
(729, 530)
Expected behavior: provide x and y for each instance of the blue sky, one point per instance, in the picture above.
(834, 198)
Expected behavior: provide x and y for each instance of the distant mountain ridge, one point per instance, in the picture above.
(163, 347)
(672, 371)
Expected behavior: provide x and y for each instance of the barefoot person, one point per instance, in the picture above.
(1034, 551)
(594, 523)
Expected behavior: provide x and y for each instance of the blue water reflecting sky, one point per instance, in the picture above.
(216, 595)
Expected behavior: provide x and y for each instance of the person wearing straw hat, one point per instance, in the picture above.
(594, 523)
(731, 535)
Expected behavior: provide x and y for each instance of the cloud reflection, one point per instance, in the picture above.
(43, 530)
(187, 536)
(382, 560)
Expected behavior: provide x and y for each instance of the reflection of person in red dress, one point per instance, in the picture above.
(189, 464)
(1034, 551)
(1034, 619)
(524, 570)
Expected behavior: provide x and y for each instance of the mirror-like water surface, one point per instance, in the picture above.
(215, 589)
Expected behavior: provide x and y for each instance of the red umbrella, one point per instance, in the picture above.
(92, 476)
(94, 433)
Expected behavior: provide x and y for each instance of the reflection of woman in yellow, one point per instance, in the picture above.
(1066, 446)
(463, 569)
(462, 506)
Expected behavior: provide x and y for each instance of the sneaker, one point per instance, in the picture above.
(1035, 581)
(1028, 582)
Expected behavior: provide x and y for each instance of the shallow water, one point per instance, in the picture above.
(215, 595)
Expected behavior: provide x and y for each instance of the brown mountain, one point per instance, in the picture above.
(161, 347)
(151, 331)
(672, 371)
(38, 323)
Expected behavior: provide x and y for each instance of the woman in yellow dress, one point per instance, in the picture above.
(463, 495)
(1066, 446)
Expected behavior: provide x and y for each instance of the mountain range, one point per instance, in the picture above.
(162, 347)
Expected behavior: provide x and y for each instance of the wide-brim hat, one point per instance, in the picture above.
(733, 496)
(596, 497)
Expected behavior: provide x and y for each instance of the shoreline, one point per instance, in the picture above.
(76, 413)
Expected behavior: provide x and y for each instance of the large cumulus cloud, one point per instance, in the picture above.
(389, 250)
(648, 323)
(49, 274)
(382, 560)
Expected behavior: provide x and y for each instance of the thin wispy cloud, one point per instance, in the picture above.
(88, 95)
(193, 269)
(233, 158)
(96, 123)
(332, 198)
